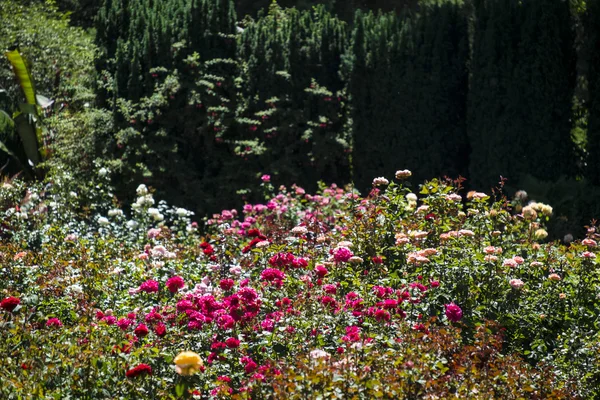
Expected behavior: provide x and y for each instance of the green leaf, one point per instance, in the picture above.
(7, 125)
(22, 73)
(28, 135)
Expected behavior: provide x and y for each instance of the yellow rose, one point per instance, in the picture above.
(187, 363)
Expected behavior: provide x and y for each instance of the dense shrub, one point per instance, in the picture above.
(60, 61)
(292, 93)
(407, 83)
(593, 78)
(93, 298)
(521, 90)
(135, 36)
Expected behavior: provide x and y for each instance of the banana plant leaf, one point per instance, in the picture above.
(22, 74)
(8, 139)
(7, 125)
(29, 137)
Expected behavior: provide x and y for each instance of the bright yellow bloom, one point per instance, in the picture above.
(187, 363)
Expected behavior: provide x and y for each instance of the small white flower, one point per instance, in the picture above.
(299, 230)
(236, 270)
(380, 181)
(71, 237)
(103, 221)
(263, 243)
(155, 214)
(102, 172)
(402, 174)
(182, 212)
(75, 288)
(131, 224)
(142, 190)
(411, 198)
(315, 354)
(115, 212)
(73, 195)
(146, 200)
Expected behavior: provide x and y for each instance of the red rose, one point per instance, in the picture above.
(160, 329)
(232, 343)
(226, 284)
(175, 283)
(141, 330)
(10, 303)
(453, 312)
(140, 370)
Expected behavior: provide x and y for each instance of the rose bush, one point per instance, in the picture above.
(431, 293)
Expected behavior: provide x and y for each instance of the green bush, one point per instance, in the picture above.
(407, 84)
(521, 91)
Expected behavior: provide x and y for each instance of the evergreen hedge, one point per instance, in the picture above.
(520, 97)
(593, 47)
(407, 83)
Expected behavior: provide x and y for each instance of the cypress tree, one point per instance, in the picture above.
(592, 29)
(523, 76)
(148, 30)
(291, 78)
(407, 86)
(174, 97)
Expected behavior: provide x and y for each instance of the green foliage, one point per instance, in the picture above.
(54, 60)
(61, 55)
(360, 308)
(407, 83)
(137, 35)
(520, 97)
(292, 94)
(592, 26)
(437, 364)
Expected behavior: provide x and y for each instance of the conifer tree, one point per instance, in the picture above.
(592, 28)
(291, 82)
(521, 90)
(407, 85)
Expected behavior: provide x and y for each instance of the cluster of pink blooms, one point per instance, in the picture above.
(274, 276)
(513, 262)
(453, 312)
(342, 254)
(249, 300)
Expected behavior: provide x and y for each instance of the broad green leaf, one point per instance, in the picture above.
(22, 73)
(6, 150)
(28, 135)
(7, 125)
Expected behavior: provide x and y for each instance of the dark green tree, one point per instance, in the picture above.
(592, 29)
(407, 82)
(292, 94)
(520, 100)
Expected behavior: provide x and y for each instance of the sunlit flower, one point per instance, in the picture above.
(453, 312)
(187, 363)
(10, 303)
(318, 353)
(380, 181)
(403, 174)
(140, 370)
(554, 277)
(516, 283)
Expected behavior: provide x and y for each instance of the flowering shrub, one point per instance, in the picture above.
(398, 294)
